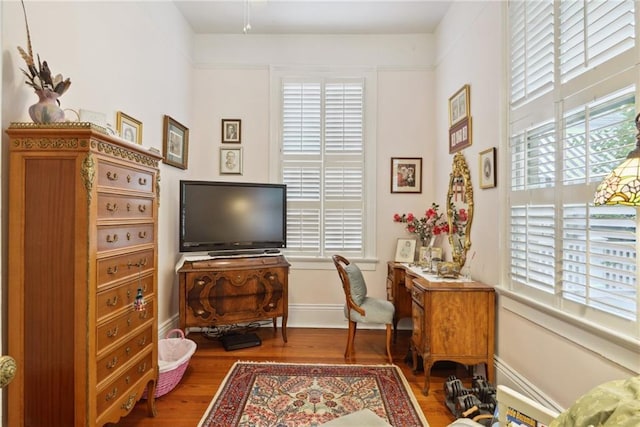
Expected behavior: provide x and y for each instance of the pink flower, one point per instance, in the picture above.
(397, 218)
(410, 217)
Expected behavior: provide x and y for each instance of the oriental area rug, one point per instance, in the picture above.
(296, 395)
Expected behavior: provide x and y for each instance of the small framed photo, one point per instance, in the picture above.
(175, 143)
(128, 128)
(460, 135)
(488, 168)
(406, 175)
(231, 130)
(230, 161)
(405, 250)
(459, 105)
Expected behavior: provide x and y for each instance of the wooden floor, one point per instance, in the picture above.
(187, 403)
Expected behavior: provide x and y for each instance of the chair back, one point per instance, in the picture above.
(340, 263)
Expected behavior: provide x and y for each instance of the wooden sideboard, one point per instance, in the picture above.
(83, 221)
(226, 291)
(452, 320)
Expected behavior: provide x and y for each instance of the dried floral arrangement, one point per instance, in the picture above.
(39, 75)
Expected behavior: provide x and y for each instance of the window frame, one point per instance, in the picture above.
(369, 259)
(564, 97)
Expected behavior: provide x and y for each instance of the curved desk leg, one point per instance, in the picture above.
(428, 364)
(284, 327)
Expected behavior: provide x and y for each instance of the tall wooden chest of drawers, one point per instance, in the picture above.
(83, 215)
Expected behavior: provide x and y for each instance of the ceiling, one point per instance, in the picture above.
(313, 16)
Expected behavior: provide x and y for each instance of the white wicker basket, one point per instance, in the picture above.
(173, 358)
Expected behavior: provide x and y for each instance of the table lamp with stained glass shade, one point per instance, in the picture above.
(622, 185)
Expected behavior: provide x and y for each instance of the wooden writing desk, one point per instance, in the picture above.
(452, 320)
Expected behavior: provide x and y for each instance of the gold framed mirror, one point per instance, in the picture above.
(460, 209)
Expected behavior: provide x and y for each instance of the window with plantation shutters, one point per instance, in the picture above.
(564, 251)
(323, 166)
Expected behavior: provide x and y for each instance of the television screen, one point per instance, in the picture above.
(229, 216)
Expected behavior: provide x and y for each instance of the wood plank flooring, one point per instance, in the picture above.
(187, 403)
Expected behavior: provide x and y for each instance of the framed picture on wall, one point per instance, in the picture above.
(128, 128)
(487, 168)
(405, 250)
(459, 105)
(175, 143)
(460, 135)
(406, 174)
(231, 130)
(230, 161)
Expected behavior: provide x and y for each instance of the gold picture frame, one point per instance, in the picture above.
(128, 128)
(460, 105)
(175, 143)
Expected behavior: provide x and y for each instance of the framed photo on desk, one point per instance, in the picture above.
(405, 250)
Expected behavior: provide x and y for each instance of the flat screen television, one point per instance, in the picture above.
(232, 217)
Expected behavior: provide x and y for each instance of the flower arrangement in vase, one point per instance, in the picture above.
(47, 87)
(427, 227)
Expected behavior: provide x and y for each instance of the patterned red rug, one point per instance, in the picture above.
(285, 394)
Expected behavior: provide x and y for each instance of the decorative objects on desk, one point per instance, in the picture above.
(448, 269)
(405, 250)
(129, 128)
(488, 168)
(175, 143)
(230, 161)
(460, 209)
(231, 130)
(406, 175)
(48, 88)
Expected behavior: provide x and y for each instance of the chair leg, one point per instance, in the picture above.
(389, 343)
(350, 339)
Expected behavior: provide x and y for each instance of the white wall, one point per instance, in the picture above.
(553, 359)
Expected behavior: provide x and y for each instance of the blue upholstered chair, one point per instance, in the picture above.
(359, 307)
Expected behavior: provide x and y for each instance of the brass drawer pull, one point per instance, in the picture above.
(129, 322)
(112, 302)
(128, 178)
(142, 342)
(113, 363)
(128, 294)
(142, 367)
(142, 234)
(142, 208)
(113, 332)
(140, 263)
(112, 207)
(143, 314)
(112, 239)
(112, 394)
(112, 270)
(127, 350)
(128, 236)
(112, 176)
(129, 403)
(128, 207)
(142, 181)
